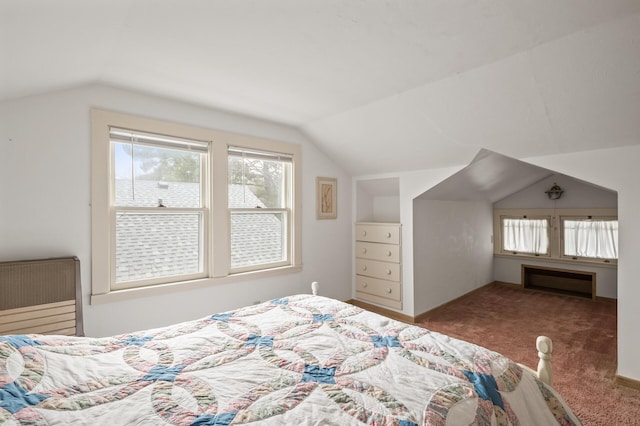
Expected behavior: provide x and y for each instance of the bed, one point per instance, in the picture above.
(302, 360)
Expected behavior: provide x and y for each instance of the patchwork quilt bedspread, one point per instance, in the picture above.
(300, 360)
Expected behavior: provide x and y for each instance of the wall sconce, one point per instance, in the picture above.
(555, 192)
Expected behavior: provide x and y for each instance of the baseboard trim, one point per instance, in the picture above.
(382, 311)
(630, 383)
(430, 312)
(513, 286)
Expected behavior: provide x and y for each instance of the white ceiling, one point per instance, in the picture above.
(490, 176)
(380, 86)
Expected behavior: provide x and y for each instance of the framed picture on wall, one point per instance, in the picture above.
(326, 198)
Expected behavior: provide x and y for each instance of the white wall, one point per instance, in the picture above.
(452, 250)
(413, 184)
(577, 195)
(618, 170)
(377, 200)
(386, 209)
(45, 203)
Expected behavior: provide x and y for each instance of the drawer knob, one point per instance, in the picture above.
(388, 252)
(364, 267)
(388, 290)
(364, 233)
(388, 234)
(388, 271)
(364, 285)
(364, 251)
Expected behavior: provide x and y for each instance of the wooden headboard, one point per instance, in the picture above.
(41, 296)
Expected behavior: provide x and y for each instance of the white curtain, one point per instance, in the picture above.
(525, 235)
(591, 238)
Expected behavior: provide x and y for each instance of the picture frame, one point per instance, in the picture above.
(326, 198)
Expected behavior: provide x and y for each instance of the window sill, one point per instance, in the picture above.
(547, 259)
(140, 292)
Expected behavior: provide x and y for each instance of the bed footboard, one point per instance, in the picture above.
(545, 347)
(545, 371)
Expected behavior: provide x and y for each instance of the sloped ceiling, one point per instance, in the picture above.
(380, 86)
(489, 177)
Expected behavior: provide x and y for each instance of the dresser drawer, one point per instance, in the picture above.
(376, 269)
(380, 288)
(378, 233)
(378, 251)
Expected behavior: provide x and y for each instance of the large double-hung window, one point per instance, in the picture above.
(178, 206)
(159, 208)
(259, 208)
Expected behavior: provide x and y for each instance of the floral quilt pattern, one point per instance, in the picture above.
(296, 360)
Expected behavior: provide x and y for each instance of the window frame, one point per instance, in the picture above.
(549, 221)
(217, 232)
(562, 219)
(286, 210)
(203, 210)
(556, 240)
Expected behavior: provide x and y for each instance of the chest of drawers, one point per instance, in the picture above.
(378, 263)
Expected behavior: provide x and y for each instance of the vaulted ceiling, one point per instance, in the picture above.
(380, 86)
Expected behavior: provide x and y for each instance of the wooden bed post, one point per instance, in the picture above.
(545, 371)
(314, 288)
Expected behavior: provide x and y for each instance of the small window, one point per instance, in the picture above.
(260, 196)
(527, 236)
(590, 238)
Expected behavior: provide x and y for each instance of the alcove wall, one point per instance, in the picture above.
(377, 200)
(577, 195)
(453, 226)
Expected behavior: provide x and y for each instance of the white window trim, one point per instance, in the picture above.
(555, 233)
(218, 230)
